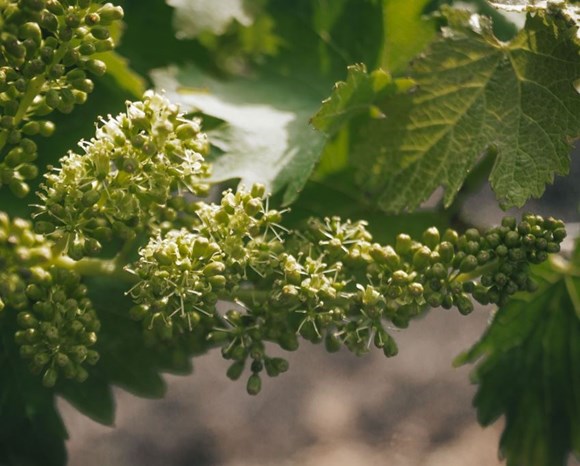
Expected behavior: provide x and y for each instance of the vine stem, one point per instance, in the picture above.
(477, 272)
(97, 268)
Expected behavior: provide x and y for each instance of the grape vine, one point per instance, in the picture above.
(192, 270)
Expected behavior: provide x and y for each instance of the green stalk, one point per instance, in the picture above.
(110, 268)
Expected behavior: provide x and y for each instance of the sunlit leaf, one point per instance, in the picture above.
(476, 94)
(265, 137)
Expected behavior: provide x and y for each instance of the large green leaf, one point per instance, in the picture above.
(194, 17)
(476, 94)
(529, 371)
(407, 32)
(265, 136)
(236, 32)
(336, 195)
(568, 9)
(355, 96)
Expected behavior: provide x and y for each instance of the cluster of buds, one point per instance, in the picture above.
(183, 273)
(130, 178)
(56, 321)
(327, 282)
(59, 328)
(46, 51)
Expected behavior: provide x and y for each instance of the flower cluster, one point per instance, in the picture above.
(57, 323)
(59, 328)
(46, 52)
(183, 273)
(325, 282)
(130, 178)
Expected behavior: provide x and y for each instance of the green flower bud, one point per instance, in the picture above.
(403, 244)
(468, 264)
(451, 236)
(49, 21)
(78, 353)
(26, 320)
(28, 171)
(434, 299)
(253, 206)
(289, 342)
(400, 277)
(275, 366)
(439, 271)
(254, 384)
(415, 289)
(512, 239)
(97, 67)
(55, 7)
(15, 48)
(446, 251)
(421, 258)
(100, 33)
(501, 250)
(390, 347)
(518, 254)
(104, 45)
(19, 188)
(464, 304)
(49, 378)
(61, 360)
(214, 268)
(30, 128)
(235, 370)
(31, 31)
(559, 234)
(109, 13)
(385, 255)
(258, 190)
(85, 85)
(92, 19)
(431, 237)
(41, 359)
(81, 374)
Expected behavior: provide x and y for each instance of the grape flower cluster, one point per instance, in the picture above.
(328, 281)
(57, 325)
(46, 51)
(131, 177)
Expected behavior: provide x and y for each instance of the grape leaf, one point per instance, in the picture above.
(568, 10)
(407, 32)
(477, 94)
(336, 195)
(529, 371)
(193, 17)
(355, 96)
(236, 32)
(119, 71)
(265, 136)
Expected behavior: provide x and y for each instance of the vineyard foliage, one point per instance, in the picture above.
(305, 162)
